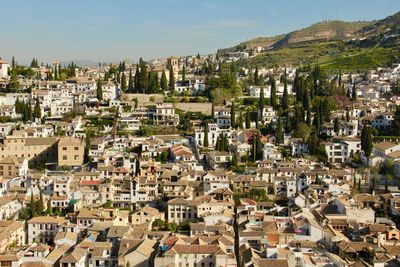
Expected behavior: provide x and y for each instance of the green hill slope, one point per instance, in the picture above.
(350, 46)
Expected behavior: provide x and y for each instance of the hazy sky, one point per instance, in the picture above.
(113, 30)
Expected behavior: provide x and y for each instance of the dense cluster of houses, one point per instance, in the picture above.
(124, 199)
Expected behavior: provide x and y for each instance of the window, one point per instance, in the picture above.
(65, 157)
(64, 148)
(76, 148)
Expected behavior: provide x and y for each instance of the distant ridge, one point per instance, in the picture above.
(80, 63)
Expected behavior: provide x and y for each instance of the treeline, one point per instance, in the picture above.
(142, 81)
(24, 109)
(32, 72)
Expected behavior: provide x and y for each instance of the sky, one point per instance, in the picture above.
(112, 31)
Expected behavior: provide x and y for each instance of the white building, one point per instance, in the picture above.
(43, 229)
(341, 149)
(4, 66)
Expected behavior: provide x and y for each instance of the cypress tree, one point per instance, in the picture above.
(279, 132)
(156, 82)
(240, 122)
(37, 112)
(308, 119)
(354, 93)
(40, 205)
(164, 82)
(49, 210)
(183, 74)
(259, 148)
(261, 103)
(130, 82)
(144, 79)
(285, 97)
(336, 126)
(99, 90)
(212, 110)
(256, 77)
(171, 83)
(29, 108)
(248, 121)
(366, 140)
(205, 141)
(218, 144)
(49, 75)
(233, 115)
(55, 73)
(137, 79)
(33, 207)
(273, 101)
(316, 121)
(152, 84)
(123, 82)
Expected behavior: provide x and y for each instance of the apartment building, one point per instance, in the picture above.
(35, 150)
(11, 167)
(342, 148)
(70, 151)
(165, 115)
(43, 229)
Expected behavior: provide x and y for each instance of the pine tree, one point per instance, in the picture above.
(99, 90)
(273, 100)
(205, 141)
(164, 82)
(233, 115)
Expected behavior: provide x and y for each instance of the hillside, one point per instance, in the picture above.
(326, 30)
(350, 46)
